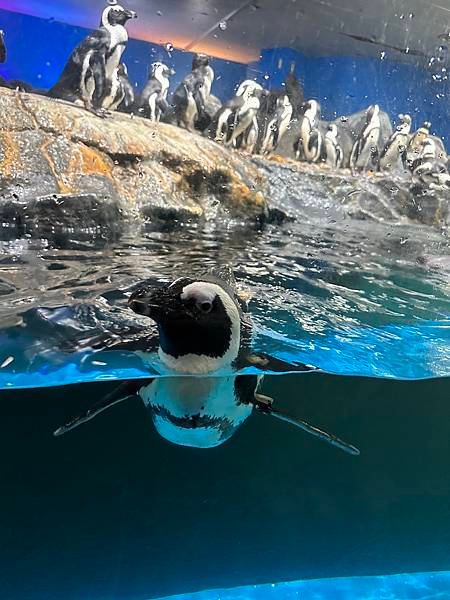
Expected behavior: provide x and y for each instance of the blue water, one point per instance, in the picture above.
(411, 586)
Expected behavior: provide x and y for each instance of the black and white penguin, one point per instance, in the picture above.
(277, 125)
(334, 153)
(310, 144)
(204, 331)
(153, 101)
(414, 148)
(365, 149)
(236, 122)
(90, 76)
(430, 167)
(124, 92)
(394, 152)
(191, 97)
(2, 47)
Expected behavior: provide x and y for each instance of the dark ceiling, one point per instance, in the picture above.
(405, 30)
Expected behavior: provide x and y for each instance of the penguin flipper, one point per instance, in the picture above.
(265, 362)
(122, 392)
(265, 405)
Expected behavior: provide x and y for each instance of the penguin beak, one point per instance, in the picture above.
(131, 14)
(172, 72)
(153, 304)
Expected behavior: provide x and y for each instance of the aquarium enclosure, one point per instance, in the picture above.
(224, 300)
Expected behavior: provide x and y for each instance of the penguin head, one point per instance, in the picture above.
(248, 88)
(372, 112)
(332, 131)
(115, 14)
(312, 109)
(159, 69)
(200, 60)
(199, 323)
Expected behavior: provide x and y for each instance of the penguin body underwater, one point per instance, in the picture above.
(153, 101)
(365, 149)
(334, 153)
(394, 152)
(204, 334)
(277, 125)
(90, 76)
(192, 95)
(310, 143)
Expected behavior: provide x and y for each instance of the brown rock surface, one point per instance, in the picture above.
(56, 155)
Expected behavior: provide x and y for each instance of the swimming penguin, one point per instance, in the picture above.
(277, 125)
(365, 149)
(204, 331)
(192, 95)
(394, 152)
(153, 101)
(310, 143)
(334, 153)
(90, 76)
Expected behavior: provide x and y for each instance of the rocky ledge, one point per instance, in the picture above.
(61, 166)
(65, 169)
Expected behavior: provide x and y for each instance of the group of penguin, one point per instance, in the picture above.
(254, 120)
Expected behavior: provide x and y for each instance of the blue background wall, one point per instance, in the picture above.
(38, 49)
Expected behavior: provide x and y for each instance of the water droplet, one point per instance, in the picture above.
(411, 15)
(402, 16)
(407, 50)
(159, 13)
(383, 55)
(344, 119)
(168, 47)
(266, 77)
(223, 25)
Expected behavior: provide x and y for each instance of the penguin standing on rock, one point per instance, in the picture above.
(394, 152)
(429, 169)
(237, 117)
(335, 155)
(192, 96)
(365, 148)
(153, 101)
(204, 332)
(124, 98)
(414, 148)
(90, 77)
(278, 124)
(310, 143)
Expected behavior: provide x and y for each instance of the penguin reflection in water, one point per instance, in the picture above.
(204, 330)
(90, 76)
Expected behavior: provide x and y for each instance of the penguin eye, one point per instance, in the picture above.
(205, 306)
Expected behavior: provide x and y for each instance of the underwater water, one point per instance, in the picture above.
(113, 511)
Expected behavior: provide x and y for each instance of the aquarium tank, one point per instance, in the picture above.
(224, 300)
